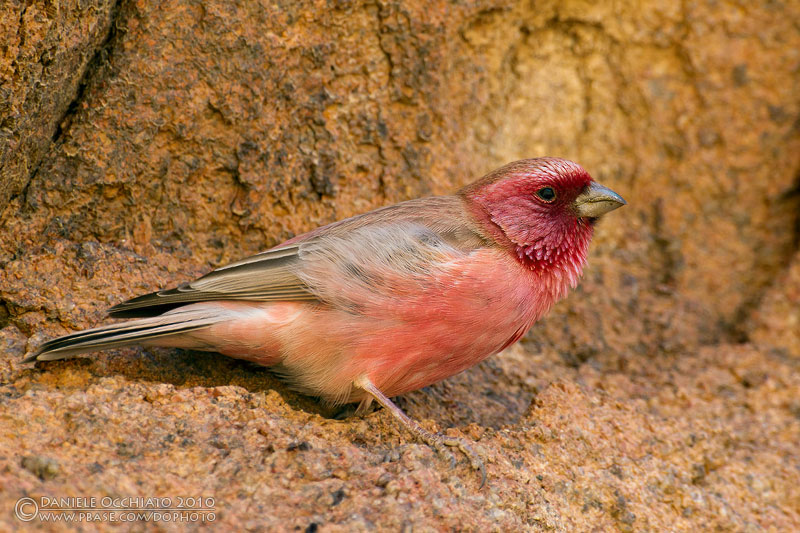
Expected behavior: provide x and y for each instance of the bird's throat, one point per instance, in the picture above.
(561, 262)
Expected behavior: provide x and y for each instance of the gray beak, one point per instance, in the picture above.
(597, 200)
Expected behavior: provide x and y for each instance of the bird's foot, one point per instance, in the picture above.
(438, 441)
(441, 442)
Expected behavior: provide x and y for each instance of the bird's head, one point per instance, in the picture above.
(543, 210)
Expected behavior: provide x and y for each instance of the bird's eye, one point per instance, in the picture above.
(548, 194)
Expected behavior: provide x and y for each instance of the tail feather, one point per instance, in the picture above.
(175, 322)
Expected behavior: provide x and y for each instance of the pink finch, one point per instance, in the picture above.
(389, 301)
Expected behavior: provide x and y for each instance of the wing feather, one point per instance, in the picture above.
(268, 276)
(297, 269)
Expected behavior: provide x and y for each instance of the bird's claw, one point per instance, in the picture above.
(437, 441)
(440, 442)
(475, 459)
(441, 449)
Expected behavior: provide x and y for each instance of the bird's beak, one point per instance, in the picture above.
(597, 200)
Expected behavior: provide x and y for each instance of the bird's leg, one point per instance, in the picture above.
(437, 441)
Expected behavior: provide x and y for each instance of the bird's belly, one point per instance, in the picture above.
(407, 357)
(324, 351)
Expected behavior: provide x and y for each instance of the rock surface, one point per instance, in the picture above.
(143, 145)
(777, 321)
(47, 48)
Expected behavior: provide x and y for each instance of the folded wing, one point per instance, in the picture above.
(409, 235)
(268, 276)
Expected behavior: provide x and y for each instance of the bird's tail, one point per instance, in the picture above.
(157, 328)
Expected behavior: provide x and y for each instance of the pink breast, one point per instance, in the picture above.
(453, 327)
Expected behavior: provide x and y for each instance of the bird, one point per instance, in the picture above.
(386, 302)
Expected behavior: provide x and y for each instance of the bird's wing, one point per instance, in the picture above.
(268, 276)
(380, 266)
(380, 240)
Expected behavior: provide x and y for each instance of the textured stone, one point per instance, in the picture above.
(145, 143)
(777, 320)
(45, 49)
(706, 438)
